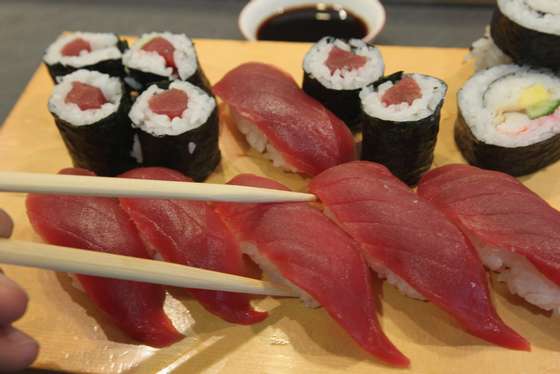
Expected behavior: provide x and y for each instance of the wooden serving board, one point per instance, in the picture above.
(75, 337)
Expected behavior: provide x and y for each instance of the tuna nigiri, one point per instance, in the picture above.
(279, 119)
(191, 233)
(316, 258)
(516, 232)
(413, 245)
(99, 224)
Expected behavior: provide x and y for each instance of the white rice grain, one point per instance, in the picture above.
(103, 47)
(540, 15)
(314, 64)
(71, 113)
(200, 107)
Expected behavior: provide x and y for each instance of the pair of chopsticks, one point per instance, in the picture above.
(80, 261)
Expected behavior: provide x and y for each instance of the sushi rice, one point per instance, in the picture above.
(103, 47)
(259, 142)
(151, 62)
(488, 105)
(314, 64)
(485, 53)
(521, 277)
(275, 275)
(433, 92)
(540, 15)
(200, 107)
(70, 112)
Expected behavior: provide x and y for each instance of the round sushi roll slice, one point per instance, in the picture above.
(335, 70)
(85, 50)
(177, 126)
(528, 31)
(90, 110)
(510, 119)
(401, 114)
(157, 57)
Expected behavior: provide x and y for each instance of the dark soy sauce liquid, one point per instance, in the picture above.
(311, 23)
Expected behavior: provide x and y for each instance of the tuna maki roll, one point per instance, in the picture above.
(90, 110)
(528, 31)
(85, 50)
(177, 126)
(509, 119)
(401, 116)
(157, 57)
(335, 70)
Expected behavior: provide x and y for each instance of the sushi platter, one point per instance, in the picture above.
(76, 337)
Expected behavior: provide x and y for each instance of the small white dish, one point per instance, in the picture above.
(258, 11)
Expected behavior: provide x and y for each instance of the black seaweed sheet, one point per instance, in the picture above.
(515, 161)
(138, 80)
(405, 148)
(176, 151)
(113, 67)
(103, 147)
(525, 46)
(345, 104)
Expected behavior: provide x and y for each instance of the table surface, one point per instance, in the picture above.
(29, 26)
(75, 337)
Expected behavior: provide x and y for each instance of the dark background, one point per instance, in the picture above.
(27, 27)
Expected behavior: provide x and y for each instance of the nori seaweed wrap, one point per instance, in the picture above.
(334, 72)
(95, 129)
(524, 45)
(401, 115)
(159, 57)
(89, 51)
(185, 139)
(509, 119)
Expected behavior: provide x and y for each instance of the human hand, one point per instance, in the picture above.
(17, 350)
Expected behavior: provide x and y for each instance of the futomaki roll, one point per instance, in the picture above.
(85, 50)
(528, 31)
(177, 126)
(401, 116)
(335, 70)
(510, 119)
(90, 110)
(157, 57)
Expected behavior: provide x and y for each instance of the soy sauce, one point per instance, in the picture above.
(311, 23)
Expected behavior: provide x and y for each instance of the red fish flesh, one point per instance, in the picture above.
(171, 103)
(404, 91)
(403, 236)
(99, 224)
(339, 59)
(162, 47)
(191, 233)
(85, 96)
(308, 137)
(302, 246)
(516, 231)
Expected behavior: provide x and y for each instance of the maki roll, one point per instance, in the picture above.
(177, 126)
(509, 119)
(401, 115)
(335, 70)
(90, 110)
(157, 57)
(528, 31)
(85, 50)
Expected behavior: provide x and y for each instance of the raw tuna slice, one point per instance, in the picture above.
(85, 96)
(340, 59)
(298, 245)
(99, 224)
(163, 48)
(413, 245)
(278, 118)
(405, 91)
(191, 233)
(172, 103)
(516, 232)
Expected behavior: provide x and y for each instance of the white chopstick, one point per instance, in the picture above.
(125, 187)
(107, 265)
